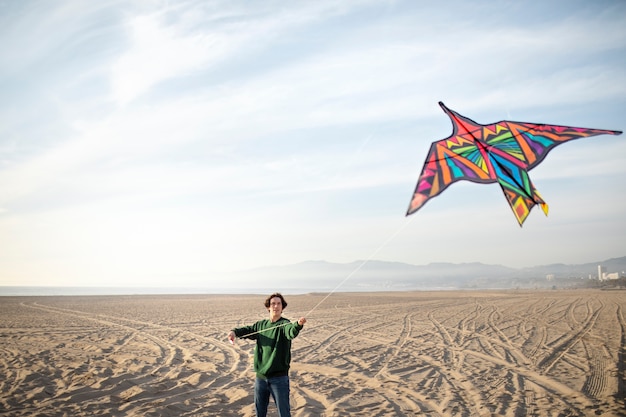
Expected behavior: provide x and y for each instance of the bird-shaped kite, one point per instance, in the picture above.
(502, 152)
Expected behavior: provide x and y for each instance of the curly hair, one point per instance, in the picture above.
(276, 294)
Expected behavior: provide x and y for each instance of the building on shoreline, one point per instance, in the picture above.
(604, 276)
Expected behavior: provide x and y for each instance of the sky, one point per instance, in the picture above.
(165, 143)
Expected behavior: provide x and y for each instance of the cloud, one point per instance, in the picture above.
(157, 53)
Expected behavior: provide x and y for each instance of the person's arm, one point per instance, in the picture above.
(294, 328)
(243, 332)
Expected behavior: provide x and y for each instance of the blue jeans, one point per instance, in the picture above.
(278, 387)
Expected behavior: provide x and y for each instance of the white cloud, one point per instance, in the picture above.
(158, 53)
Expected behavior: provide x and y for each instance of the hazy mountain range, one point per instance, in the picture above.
(379, 275)
(371, 275)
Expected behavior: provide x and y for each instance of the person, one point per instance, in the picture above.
(272, 355)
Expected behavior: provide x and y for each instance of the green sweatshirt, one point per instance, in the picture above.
(272, 354)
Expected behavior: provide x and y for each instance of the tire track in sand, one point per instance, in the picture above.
(567, 342)
(172, 380)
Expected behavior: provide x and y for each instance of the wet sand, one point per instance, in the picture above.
(535, 353)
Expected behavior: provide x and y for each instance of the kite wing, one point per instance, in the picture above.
(502, 152)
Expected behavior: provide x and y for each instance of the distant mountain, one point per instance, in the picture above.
(580, 270)
(374, 275)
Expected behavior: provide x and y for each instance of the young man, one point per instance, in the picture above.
(272, 355)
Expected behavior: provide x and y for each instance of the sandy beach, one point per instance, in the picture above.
(534, 353)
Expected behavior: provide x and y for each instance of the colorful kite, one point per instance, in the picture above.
(502, 152)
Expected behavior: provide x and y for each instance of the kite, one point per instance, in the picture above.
(501, 152)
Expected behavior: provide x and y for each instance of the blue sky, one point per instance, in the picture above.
(163, 143)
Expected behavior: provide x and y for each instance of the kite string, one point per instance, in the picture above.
(362, 264)
(350, 275)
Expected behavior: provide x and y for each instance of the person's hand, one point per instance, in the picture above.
(301, 321)
(231, 337)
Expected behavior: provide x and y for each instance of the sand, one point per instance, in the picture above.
(535, 353)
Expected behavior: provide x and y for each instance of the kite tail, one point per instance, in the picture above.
(542, 204)
(522, 198)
